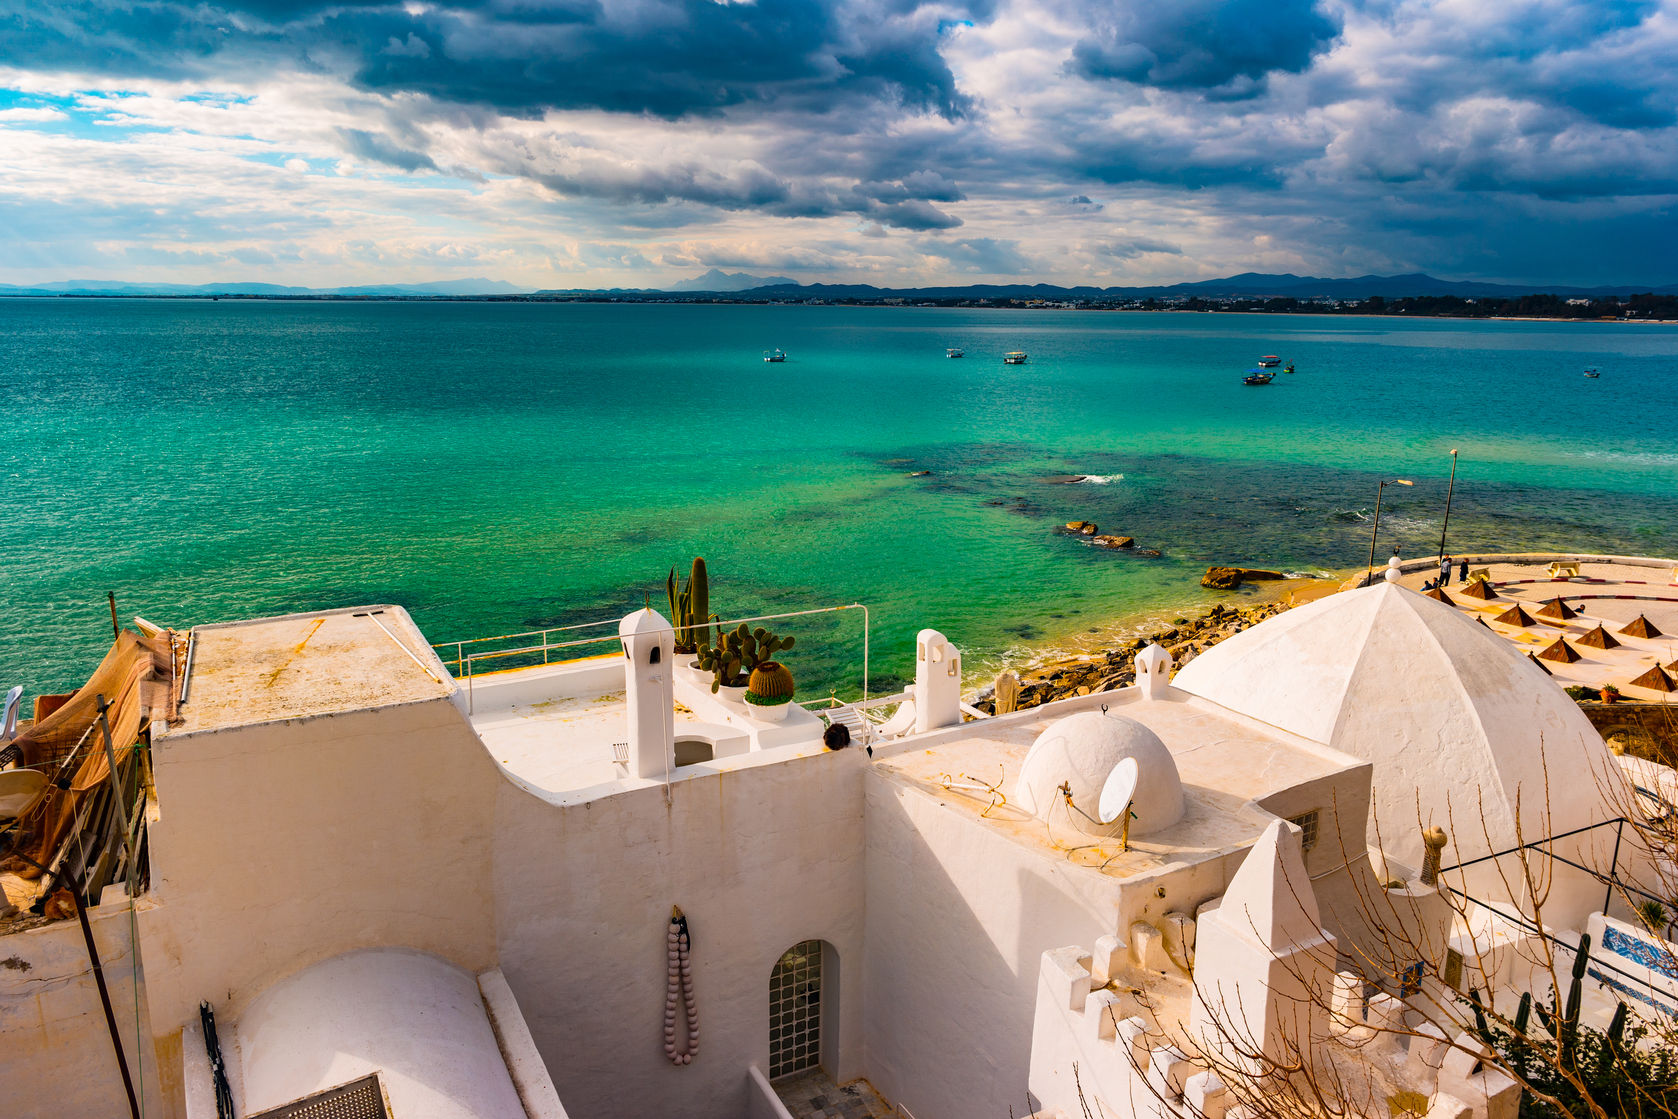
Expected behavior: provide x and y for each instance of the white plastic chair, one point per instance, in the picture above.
(8, 724)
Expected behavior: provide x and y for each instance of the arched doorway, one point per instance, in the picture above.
(795, 1010)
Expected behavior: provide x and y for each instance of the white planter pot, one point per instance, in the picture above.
(775, 714)
(733, 695)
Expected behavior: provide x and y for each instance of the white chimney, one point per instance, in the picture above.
(649, 647)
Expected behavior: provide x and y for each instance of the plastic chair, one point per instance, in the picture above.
(8, 723)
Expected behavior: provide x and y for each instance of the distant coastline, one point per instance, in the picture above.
(1649, 307)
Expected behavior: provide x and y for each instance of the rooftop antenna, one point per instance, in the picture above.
(1117, 795)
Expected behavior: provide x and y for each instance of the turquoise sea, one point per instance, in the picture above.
(500, 467)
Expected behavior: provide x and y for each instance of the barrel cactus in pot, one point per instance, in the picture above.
(769, 689)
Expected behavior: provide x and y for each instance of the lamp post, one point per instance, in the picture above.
(1449, 490)
(1377, 531)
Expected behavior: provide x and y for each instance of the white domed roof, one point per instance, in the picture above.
(1081, 751)
(1444, 708)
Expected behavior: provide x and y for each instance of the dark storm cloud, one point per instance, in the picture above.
(671, 60)
(1227, 45)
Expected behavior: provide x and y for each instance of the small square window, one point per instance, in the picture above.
(1307, 828)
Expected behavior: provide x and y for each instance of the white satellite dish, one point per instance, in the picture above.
(1119, 790)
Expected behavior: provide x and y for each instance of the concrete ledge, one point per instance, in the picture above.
(524, 1064)
(762, 1102)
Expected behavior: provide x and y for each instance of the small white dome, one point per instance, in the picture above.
(1081, 751)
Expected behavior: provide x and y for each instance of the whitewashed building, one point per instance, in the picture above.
(458, 902)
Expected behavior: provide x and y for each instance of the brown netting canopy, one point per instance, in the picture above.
(1439, 596)
(1480, 589)
(135, 678)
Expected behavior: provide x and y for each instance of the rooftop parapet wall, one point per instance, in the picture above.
(57, 1059)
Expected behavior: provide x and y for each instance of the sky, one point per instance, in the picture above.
(602, 143)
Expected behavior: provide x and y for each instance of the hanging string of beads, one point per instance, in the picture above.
(679, 988)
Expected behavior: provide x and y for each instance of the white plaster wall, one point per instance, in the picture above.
(56, 1056)
(958, 921)
(280, 845)
(759, 857)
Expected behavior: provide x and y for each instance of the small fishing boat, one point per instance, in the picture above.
(774, 355)
(1288, 368)
(955, 351)
(1592, 373)
(1014, 357)
(1269, 361)
(1257, 377)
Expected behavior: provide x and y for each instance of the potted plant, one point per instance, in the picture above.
(690, 616)
(730, 661)
(769, 691)
(1610, 693)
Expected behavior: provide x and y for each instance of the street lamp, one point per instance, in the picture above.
(1389, 482)
(1448, 492)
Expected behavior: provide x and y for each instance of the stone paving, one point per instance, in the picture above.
(814, 1095)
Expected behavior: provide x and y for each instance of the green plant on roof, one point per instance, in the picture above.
(737, 652)
(690, 608)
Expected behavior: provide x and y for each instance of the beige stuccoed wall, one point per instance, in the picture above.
(760, 856)
(57, 1059)
(277, 846)
(958, 921)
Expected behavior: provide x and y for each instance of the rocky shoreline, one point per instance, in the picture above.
(1114, 667)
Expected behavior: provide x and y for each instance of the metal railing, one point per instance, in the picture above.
(466, 663)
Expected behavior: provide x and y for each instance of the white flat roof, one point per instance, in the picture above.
(1224, 761)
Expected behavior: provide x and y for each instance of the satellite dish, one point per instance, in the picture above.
(1119, 790)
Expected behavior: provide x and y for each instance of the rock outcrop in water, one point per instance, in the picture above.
(1229, 578)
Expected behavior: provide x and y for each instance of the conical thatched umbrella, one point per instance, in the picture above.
(1438, 596)
(1557, 610)
(1540, 665)
(1559, 651)
(1598, 638)
(1657, 679)
(1515, 616)
(1640, 627)
(1480, 589)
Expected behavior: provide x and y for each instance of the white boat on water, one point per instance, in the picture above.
(1014, 357)
(1269, 361)
(774, 355)
(955, 351)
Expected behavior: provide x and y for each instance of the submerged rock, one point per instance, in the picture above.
(1114, 541)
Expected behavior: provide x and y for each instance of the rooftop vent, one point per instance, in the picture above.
(359, 1099)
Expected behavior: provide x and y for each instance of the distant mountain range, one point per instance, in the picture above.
(744, 285)
(271, 291)
(1246, 285)
(716, 280)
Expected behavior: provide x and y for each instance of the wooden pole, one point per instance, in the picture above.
(116, 627)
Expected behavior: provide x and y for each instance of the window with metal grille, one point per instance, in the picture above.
(359, 1099)
(795, 1010)
(1307, 829)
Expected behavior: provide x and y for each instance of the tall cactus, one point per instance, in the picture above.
(690, 608)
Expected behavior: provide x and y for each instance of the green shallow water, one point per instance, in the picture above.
(499, 467)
